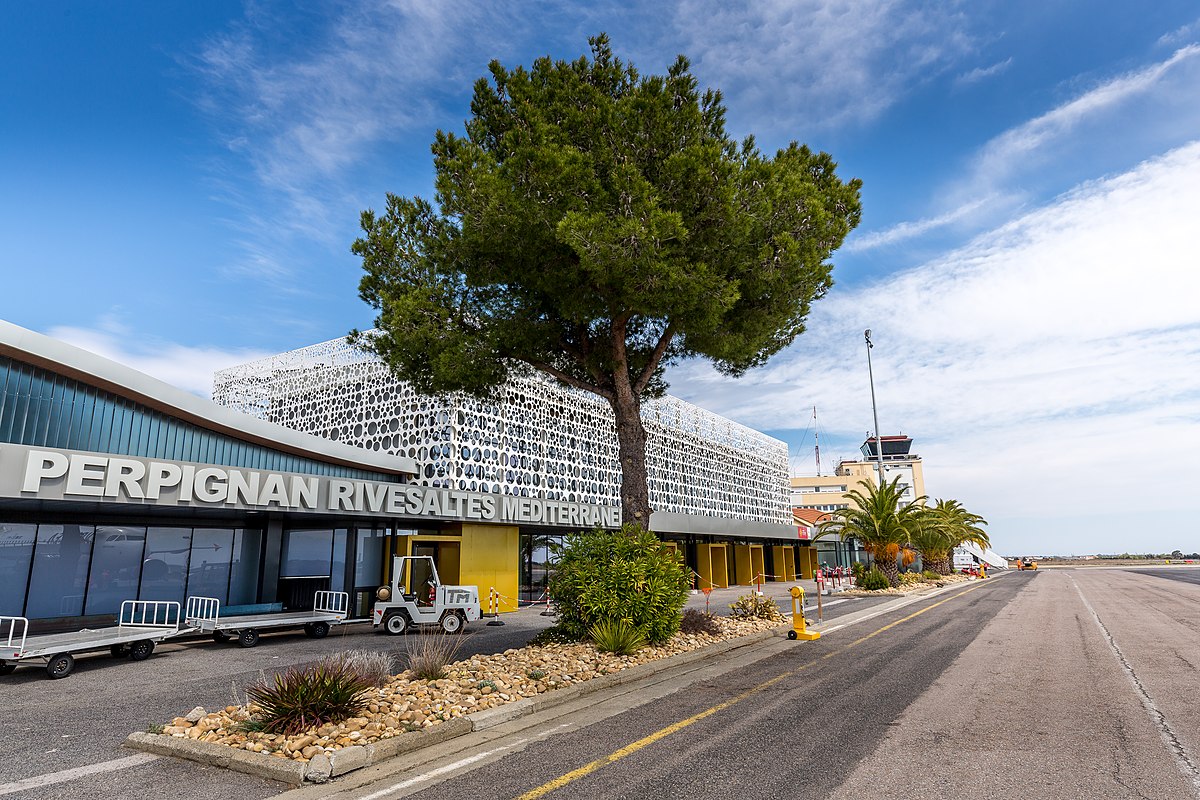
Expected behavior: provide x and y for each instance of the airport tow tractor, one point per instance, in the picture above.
(450, 607)
(1026, 563)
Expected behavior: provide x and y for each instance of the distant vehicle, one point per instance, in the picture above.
(1026, 563)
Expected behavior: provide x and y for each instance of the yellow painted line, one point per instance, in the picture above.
(675, 727)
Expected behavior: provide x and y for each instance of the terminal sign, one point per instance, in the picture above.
(56, 474)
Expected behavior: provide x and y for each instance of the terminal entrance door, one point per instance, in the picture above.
(445, 555)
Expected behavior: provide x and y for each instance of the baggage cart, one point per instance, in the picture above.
(204, 614)
(140, 625)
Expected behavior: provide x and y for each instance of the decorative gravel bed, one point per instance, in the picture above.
(922, 586)
(407, 704)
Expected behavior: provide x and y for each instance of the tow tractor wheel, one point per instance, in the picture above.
(6, 669)
(220, 636)
(396, 623)
(60, 665)
(119, 650)
(140, 651)
(316, 630)
(791, 634)
(452, 622)
(248, 637)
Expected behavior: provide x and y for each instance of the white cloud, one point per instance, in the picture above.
(1184, 33)
(1115, 123)
(1010, 151)
(1045, 369)
(980, 73)
(826, 63)
(186, 367)
(907, 230)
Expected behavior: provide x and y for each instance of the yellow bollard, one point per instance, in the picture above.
(799, 631)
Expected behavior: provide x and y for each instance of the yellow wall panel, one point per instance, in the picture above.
(491, 557)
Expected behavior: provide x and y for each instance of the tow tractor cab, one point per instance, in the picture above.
(1026, 563)
(418, 597)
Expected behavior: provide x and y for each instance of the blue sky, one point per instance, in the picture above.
(181, 184)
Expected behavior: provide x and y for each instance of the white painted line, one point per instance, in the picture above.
(1183, 759)
(462, 762)
(78, 772)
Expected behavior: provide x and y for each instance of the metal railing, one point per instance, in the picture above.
(149, 614)
(332, 603)
(201, 610)
(14, 644)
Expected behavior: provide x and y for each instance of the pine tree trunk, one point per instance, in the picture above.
(631, 438)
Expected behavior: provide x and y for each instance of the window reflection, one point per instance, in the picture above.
(208, 569)
(116, 568)
(243, 578)
(60, 568)
(16, 550)
(164, 568)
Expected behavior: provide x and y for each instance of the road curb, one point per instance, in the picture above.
(340, 762)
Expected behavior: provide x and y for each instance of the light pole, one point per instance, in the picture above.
(874, 410)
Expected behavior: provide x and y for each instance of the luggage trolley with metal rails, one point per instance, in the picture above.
(204, 615)
(140, 625)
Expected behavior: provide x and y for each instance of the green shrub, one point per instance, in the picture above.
(628, 573)
(930, 575)
(617, 636)
(427, 654)
(696, 621)
(874, 579)
(306, 697)
(858, 570)
(910, 578)
(536, 674)
(754, 606)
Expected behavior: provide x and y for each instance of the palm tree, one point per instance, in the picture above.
(881, 520)
(950, 521)
(932, 541)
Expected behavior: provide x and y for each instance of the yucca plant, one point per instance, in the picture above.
(305, 697)
(617, 636)
(754, 606)
(427, 654)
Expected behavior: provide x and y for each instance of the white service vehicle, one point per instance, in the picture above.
(428, 601)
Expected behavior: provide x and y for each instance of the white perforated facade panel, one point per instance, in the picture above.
(538, 439)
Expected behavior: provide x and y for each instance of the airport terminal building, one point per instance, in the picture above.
(116, 486)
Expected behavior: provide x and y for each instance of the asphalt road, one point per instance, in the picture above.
(54, 732)
(1070, 683)
(1057, 683)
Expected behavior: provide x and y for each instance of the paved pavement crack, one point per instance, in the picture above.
(1187, 764)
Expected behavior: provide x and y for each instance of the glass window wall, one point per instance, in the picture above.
(16, 551)
(244, 571)
(208, 568)
(42, 409)
(60, 569)
(306, 554)
(165, 567)
(116, 568)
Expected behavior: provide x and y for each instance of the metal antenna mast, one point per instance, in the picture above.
(817, 440)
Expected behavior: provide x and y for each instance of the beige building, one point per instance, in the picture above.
(828, 492)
